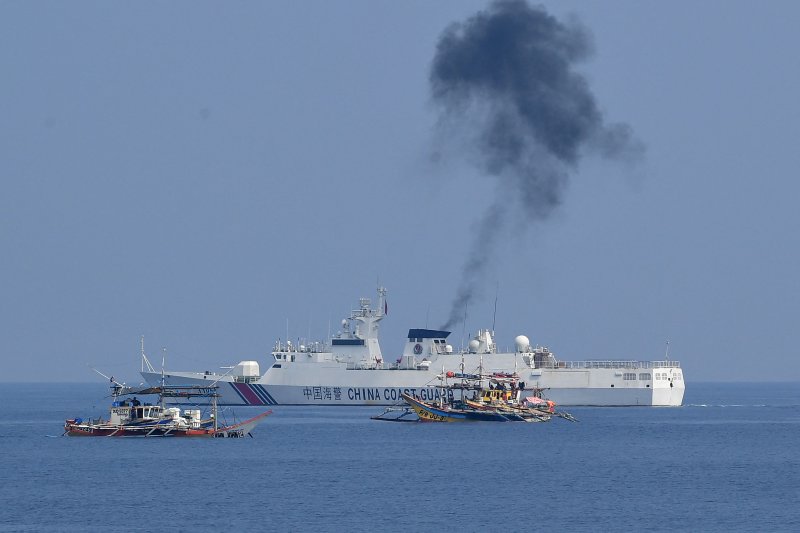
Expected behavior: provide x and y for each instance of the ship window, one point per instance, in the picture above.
(276, 365)
(645, 376)
(629, 376)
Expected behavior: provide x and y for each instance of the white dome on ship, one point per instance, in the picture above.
(523, 343)
(474, 344)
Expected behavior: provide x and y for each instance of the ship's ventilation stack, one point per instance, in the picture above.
(422, 347)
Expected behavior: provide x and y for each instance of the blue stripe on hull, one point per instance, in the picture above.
(262, 393)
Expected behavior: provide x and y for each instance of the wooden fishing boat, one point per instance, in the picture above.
(129, 417)
(477, 398)
(507, 394)
(462, 412)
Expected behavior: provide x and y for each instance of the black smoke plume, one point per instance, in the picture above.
(505, 80)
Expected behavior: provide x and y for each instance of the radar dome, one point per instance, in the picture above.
(523, 343)
(474, 344)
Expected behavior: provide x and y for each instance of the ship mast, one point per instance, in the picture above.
(494, 315)
(214, 409)
(145, 360)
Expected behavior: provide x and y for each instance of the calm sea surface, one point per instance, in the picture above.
(729, 459)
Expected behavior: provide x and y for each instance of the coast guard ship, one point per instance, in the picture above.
(350, 370)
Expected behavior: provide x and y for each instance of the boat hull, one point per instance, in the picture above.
(76, 428)
(428, 412)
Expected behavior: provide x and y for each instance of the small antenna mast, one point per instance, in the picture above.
(494, 316)
(464, 330)
(666, 353)
(145, 360)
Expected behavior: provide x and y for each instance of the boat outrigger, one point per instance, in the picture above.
(129, 417)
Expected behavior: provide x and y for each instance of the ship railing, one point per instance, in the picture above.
(610, 364)
(300, 347)
(361, 365)
(246, 379)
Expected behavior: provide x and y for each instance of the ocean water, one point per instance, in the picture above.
(729, 459)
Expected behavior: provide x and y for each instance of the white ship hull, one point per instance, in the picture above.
(350, 370)
(318, 384)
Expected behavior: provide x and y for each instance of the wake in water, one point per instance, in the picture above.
(773, 406)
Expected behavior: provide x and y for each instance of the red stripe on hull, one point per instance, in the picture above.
(248, 394)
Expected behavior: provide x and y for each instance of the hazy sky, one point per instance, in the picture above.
(203, 173)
